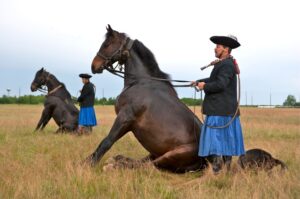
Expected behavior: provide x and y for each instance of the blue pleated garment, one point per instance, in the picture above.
(226, 141)
(87, 116)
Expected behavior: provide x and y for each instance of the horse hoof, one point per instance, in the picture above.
(119, 158)
(88, 161)
(110, 160)
(108, 167)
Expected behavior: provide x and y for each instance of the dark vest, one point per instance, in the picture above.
(87, 97)
(221, 90)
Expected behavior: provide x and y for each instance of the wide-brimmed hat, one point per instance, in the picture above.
(229, 41)
(85, 75)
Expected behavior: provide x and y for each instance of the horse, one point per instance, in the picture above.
(58, 103)
(149, 107)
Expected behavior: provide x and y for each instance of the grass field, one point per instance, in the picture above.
(47, 165)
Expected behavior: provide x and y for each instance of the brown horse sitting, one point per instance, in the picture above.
(148, 107)
(259, 159)
(58, 103)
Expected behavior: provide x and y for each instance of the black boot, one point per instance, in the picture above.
(227, 162)
(217, 163)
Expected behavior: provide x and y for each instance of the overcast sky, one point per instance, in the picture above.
(64, 36)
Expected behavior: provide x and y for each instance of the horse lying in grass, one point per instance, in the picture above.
(58, 104)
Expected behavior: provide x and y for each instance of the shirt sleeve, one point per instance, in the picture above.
(85, 91)
(223, 78)
(206, 80)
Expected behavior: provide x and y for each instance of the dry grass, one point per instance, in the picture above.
(46, 165)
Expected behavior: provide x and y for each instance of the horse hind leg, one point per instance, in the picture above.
(183, 158)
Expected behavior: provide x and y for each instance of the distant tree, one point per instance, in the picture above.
(191, 101)
(290, 101)
(26, 99)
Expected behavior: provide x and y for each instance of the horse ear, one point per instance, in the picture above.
(42, 69)
(109, 29)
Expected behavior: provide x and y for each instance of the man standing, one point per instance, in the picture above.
(87, 118)
(221, 137)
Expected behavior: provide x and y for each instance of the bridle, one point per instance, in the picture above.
(126, 43)
(126, 46)
(43, 90)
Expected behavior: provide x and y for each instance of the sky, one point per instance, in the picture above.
(64, 36)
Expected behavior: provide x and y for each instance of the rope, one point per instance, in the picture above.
(115, 72)
(236, 111)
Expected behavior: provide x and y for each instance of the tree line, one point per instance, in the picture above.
(39, 99)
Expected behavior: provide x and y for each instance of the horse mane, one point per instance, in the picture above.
(61, 83)
(148, 58)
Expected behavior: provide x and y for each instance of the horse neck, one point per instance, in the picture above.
(52, 83)
(135, 69)
(62, 92)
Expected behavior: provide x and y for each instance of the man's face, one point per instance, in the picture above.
(84, 80)
(221, 51)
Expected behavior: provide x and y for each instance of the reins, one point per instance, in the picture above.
(127, 44)
(115, 72)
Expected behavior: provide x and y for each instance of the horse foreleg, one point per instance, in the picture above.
(121, 161)
(120, 127)
(45, 117)
(46, 120)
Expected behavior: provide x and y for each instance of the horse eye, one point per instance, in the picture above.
(106, 44)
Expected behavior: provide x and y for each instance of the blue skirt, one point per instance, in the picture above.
(87, 116)
(226, 141)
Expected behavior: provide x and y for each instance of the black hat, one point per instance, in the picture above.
(85, 75)
(229, 41)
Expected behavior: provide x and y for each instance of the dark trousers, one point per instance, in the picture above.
(218, 161)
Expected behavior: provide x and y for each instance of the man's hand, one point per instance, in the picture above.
(193, 83)
(200, 85)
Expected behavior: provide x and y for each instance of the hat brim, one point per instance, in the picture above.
(225, 41)
(85, 76)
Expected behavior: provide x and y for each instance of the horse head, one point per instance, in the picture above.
(40, 79)
(112, 50)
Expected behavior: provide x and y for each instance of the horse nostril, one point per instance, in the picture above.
(96, 68)
(93, 69)
(33, 88)
(97, 65)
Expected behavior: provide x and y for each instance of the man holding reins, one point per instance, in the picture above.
(221, 134)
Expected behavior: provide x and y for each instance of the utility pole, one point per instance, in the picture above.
(102, 96)
(270, 98)
(246, 99)
(8, 90)
(19, 95)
